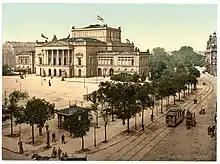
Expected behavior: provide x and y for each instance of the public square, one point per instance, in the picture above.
(115, 129)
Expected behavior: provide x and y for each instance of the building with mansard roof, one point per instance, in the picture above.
(211, 55)
(95, 50)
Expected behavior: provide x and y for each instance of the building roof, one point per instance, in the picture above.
(81, 40)
(26, 53)
(95, 26)
(72, 110)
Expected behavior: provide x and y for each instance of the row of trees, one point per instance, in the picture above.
(128, 94)
(35, 112)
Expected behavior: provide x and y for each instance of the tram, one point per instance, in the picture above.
(174, 117)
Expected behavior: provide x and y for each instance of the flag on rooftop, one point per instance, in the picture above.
(100, 18)
(42, 35)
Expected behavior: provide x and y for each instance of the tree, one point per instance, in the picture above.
(6, 70)
(105, 114)
(38, 111)
(144, 93)
(126, 104)
(13, 108)
(79, 124)
(93, 97)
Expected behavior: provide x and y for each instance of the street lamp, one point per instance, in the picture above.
(19, 84)
(19, 133)
(21, 150)
(48, 135)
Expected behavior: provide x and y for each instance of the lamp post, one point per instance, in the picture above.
(19, 84)
(21, 150)
(19, 133)
(48, 135)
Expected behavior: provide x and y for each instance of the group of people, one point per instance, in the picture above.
(62, 138)
(58, 153)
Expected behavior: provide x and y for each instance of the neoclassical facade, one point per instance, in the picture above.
(26, 61)
(211, 55)
(95, 50)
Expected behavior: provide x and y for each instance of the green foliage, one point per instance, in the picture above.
(145, 95)
(126, 104)
(187, 55)
(79, 123)
(13, 109)
(38, 111)
(125, 77)
(6, 71)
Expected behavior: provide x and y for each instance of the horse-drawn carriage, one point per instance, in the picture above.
(190, 119)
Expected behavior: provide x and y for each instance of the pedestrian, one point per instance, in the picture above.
(54, 153)
(59, 153)
(65, 154)
(63, 139)
(209, 129)
(53, 137)
(49, 83)
(152, 117)
(21, 150)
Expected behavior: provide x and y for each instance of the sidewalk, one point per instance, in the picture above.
(113, 130)
(72, 145)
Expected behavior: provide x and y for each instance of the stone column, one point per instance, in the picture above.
(63, 55)
(47, 56)
(52, 58)
(57, 57)
(68, 57)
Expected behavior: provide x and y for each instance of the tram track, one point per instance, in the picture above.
(133, 152)
(137, 137)
(153, 146)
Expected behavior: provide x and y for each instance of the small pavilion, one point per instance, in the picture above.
(67, 112)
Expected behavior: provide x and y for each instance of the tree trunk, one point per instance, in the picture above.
(11, 124)
(179, 96)
(142, 120)
(112, 113)
(97, 119)
(94, 136)
(82, 143)
(32, 133)
(105, 133)
(128, 126)
(174, 100)
(188, 88)
(161, 109)
(191, 88)
(40, 130)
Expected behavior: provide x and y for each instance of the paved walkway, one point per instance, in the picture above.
(73, 145)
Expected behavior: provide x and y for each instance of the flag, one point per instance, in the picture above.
(42, 35)
(68, 36)
(100, 18)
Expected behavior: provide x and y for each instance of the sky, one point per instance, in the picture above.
(148, 25)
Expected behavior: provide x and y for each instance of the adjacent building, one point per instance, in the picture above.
(11, 49)
(95, 50)
(211, 55)
(25, 61)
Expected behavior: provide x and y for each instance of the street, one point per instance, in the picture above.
(159, 142)
(8, 155)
